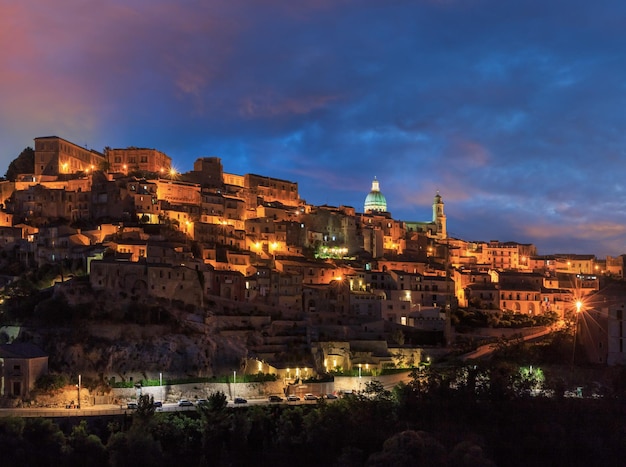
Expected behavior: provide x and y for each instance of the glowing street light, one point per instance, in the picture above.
(579, 306)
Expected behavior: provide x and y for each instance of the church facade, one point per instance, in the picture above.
(376, 203)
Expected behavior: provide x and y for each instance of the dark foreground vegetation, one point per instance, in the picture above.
(455, 416)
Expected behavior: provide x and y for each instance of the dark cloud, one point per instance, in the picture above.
(512, 110)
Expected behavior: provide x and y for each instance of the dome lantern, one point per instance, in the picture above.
(375, 201)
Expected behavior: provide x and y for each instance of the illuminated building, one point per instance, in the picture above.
(133, 159)
(437, 227)
(55, 156)
(375, 201)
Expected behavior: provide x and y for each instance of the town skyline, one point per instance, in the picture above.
(512, 112)
(172, 172)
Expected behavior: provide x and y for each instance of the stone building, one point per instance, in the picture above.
(185, 283)
(38, 203)
(437, 227)
(20, 366)
(138, 159)
(54, 156)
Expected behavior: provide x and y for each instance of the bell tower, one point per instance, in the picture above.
(439, 218)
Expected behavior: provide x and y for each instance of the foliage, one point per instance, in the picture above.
(257, 378)
(445, 416)
(409, 448)
(85, 449)
(215, 427)
(464, 318)
(51, 382)
(145, 407)
(22, 164)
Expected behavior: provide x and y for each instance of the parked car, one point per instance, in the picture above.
(331, 396)
(202, 401)
(132, 405)
(275, 399)
(292, 398)
(184, 403)
(157, 404)
(310, 397)
(240, 400)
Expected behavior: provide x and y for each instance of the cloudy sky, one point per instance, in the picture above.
(514, 110)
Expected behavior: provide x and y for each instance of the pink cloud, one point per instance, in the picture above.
(598, 231)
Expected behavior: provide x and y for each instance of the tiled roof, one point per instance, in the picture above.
(21, 350)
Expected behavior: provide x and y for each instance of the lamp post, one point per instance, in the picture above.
(161, 384)
(78, 386)
(234, 381)
(579, 305)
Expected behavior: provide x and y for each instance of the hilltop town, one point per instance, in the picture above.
(208, 272)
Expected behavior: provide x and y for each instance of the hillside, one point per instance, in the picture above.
(100, 335)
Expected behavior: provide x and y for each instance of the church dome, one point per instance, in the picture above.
(375, 201)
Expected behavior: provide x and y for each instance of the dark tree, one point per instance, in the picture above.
(23, 164)
(86, 448)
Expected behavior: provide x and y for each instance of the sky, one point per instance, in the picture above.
(514, 111)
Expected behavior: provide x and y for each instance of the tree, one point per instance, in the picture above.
(133, 448)
(23, 164)
(468, 454)
(104, 166)
(409, 448)
(215, 426)
(85, 448)
(179, 435)
(12, 443)
(145, 408)
(44, 441)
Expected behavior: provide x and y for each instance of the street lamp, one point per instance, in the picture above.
(579, 306)
(234, 381)
(161, 384)
(78, 386)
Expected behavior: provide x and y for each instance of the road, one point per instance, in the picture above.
(110, 409)
(487, 349)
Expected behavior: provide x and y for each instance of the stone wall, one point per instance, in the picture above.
(256, 390)
(174, 392)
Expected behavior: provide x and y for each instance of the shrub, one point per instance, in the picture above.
(51, 382)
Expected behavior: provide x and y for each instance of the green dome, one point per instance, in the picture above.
(375, 201)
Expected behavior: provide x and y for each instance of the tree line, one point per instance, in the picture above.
(445, 417)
